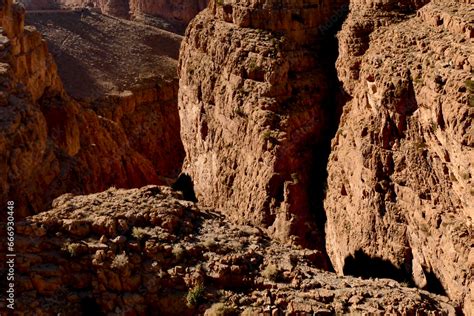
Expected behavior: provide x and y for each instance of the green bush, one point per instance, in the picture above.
(271, 272)
(195, 295)
(139, 233)
(120, 261)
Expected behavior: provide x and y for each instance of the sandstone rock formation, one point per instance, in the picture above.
(145, 251)
(255, 104)
(260, 95)
(50, 144)
(118, 8)
(400, 185)
(253, 107)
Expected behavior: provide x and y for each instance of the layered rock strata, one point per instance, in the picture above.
(146, 251)
(255, 106)
(400, 187)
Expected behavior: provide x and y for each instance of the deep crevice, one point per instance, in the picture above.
(332, 108)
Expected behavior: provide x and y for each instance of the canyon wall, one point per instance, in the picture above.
(259, 98)
(255, 103)
(254, 90)
(400, 186)
(50, 144)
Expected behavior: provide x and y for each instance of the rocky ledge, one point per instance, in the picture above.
(147, 251)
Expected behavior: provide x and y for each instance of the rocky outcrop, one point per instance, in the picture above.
(146, 251)
(50, 144)
(258, 99)
(26, 54)
(255, 107)
(400, 186)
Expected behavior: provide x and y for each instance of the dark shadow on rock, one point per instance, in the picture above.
(184, 184)
(434, 284)
(332, 104)
(89, 307)
(78, 81)
(362, 265)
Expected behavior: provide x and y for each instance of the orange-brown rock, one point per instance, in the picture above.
(400, 187)
(255, 108)
(178, 10)
(50, 144)
(118, 8)
(136, 87)
(146, 251)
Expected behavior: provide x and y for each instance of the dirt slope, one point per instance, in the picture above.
(99, 55)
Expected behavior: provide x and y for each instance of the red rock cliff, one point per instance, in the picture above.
(400, 184)
(253, 98)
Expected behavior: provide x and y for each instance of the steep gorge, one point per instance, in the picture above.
(259, 100)
(399, 190)
(255, 108)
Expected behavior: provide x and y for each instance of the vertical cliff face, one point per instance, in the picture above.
(50, 144)
(254, 108)
(400, 188)
(27, 54)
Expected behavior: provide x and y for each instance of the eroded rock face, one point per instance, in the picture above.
(50, 144)
(401, 170)
(142, 252)
(254, 110)
(136, 87)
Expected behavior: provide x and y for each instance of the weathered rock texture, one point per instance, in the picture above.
(136, 86)
(255, 107)
(181, 11)
(142, 251)
(50, 144)
(400, 187)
